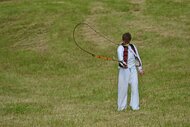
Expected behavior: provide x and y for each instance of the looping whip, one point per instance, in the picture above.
(92, 54)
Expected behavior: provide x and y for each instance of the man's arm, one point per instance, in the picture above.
(140, 69)
(120, 57)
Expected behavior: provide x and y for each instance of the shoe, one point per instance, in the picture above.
(135, 109)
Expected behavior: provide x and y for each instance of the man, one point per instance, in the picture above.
(128, 57)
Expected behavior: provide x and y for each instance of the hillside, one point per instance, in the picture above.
(46, 80)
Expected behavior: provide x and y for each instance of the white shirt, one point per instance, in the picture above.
(131, 56)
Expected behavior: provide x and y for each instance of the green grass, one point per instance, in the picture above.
(45, 80)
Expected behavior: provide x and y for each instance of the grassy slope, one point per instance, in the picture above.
(45, 80)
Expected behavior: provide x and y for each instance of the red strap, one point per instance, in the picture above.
(125, 53)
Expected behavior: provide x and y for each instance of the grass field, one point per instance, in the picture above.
(46, 81)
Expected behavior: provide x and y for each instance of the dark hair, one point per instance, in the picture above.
(126, 36)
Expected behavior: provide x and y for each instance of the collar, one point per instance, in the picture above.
(125, 44)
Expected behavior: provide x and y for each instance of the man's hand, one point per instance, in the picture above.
(123, 64)
(141, 72)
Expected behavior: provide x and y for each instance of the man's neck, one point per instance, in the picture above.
(125, 44)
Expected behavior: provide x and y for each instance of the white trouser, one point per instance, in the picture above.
(128, 76)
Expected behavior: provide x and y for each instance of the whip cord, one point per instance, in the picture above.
(92, 54)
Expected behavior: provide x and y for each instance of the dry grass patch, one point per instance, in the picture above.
(37, 44)
(137, 1)
(146, 24)
(97, 10)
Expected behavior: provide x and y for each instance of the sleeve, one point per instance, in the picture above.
(140, 67)
(120, 53)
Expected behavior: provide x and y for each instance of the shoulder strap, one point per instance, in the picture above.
(133, 48)
(138, 58)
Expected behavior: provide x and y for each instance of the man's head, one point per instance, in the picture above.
(126, 38)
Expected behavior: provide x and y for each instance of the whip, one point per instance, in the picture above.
(90, 53)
